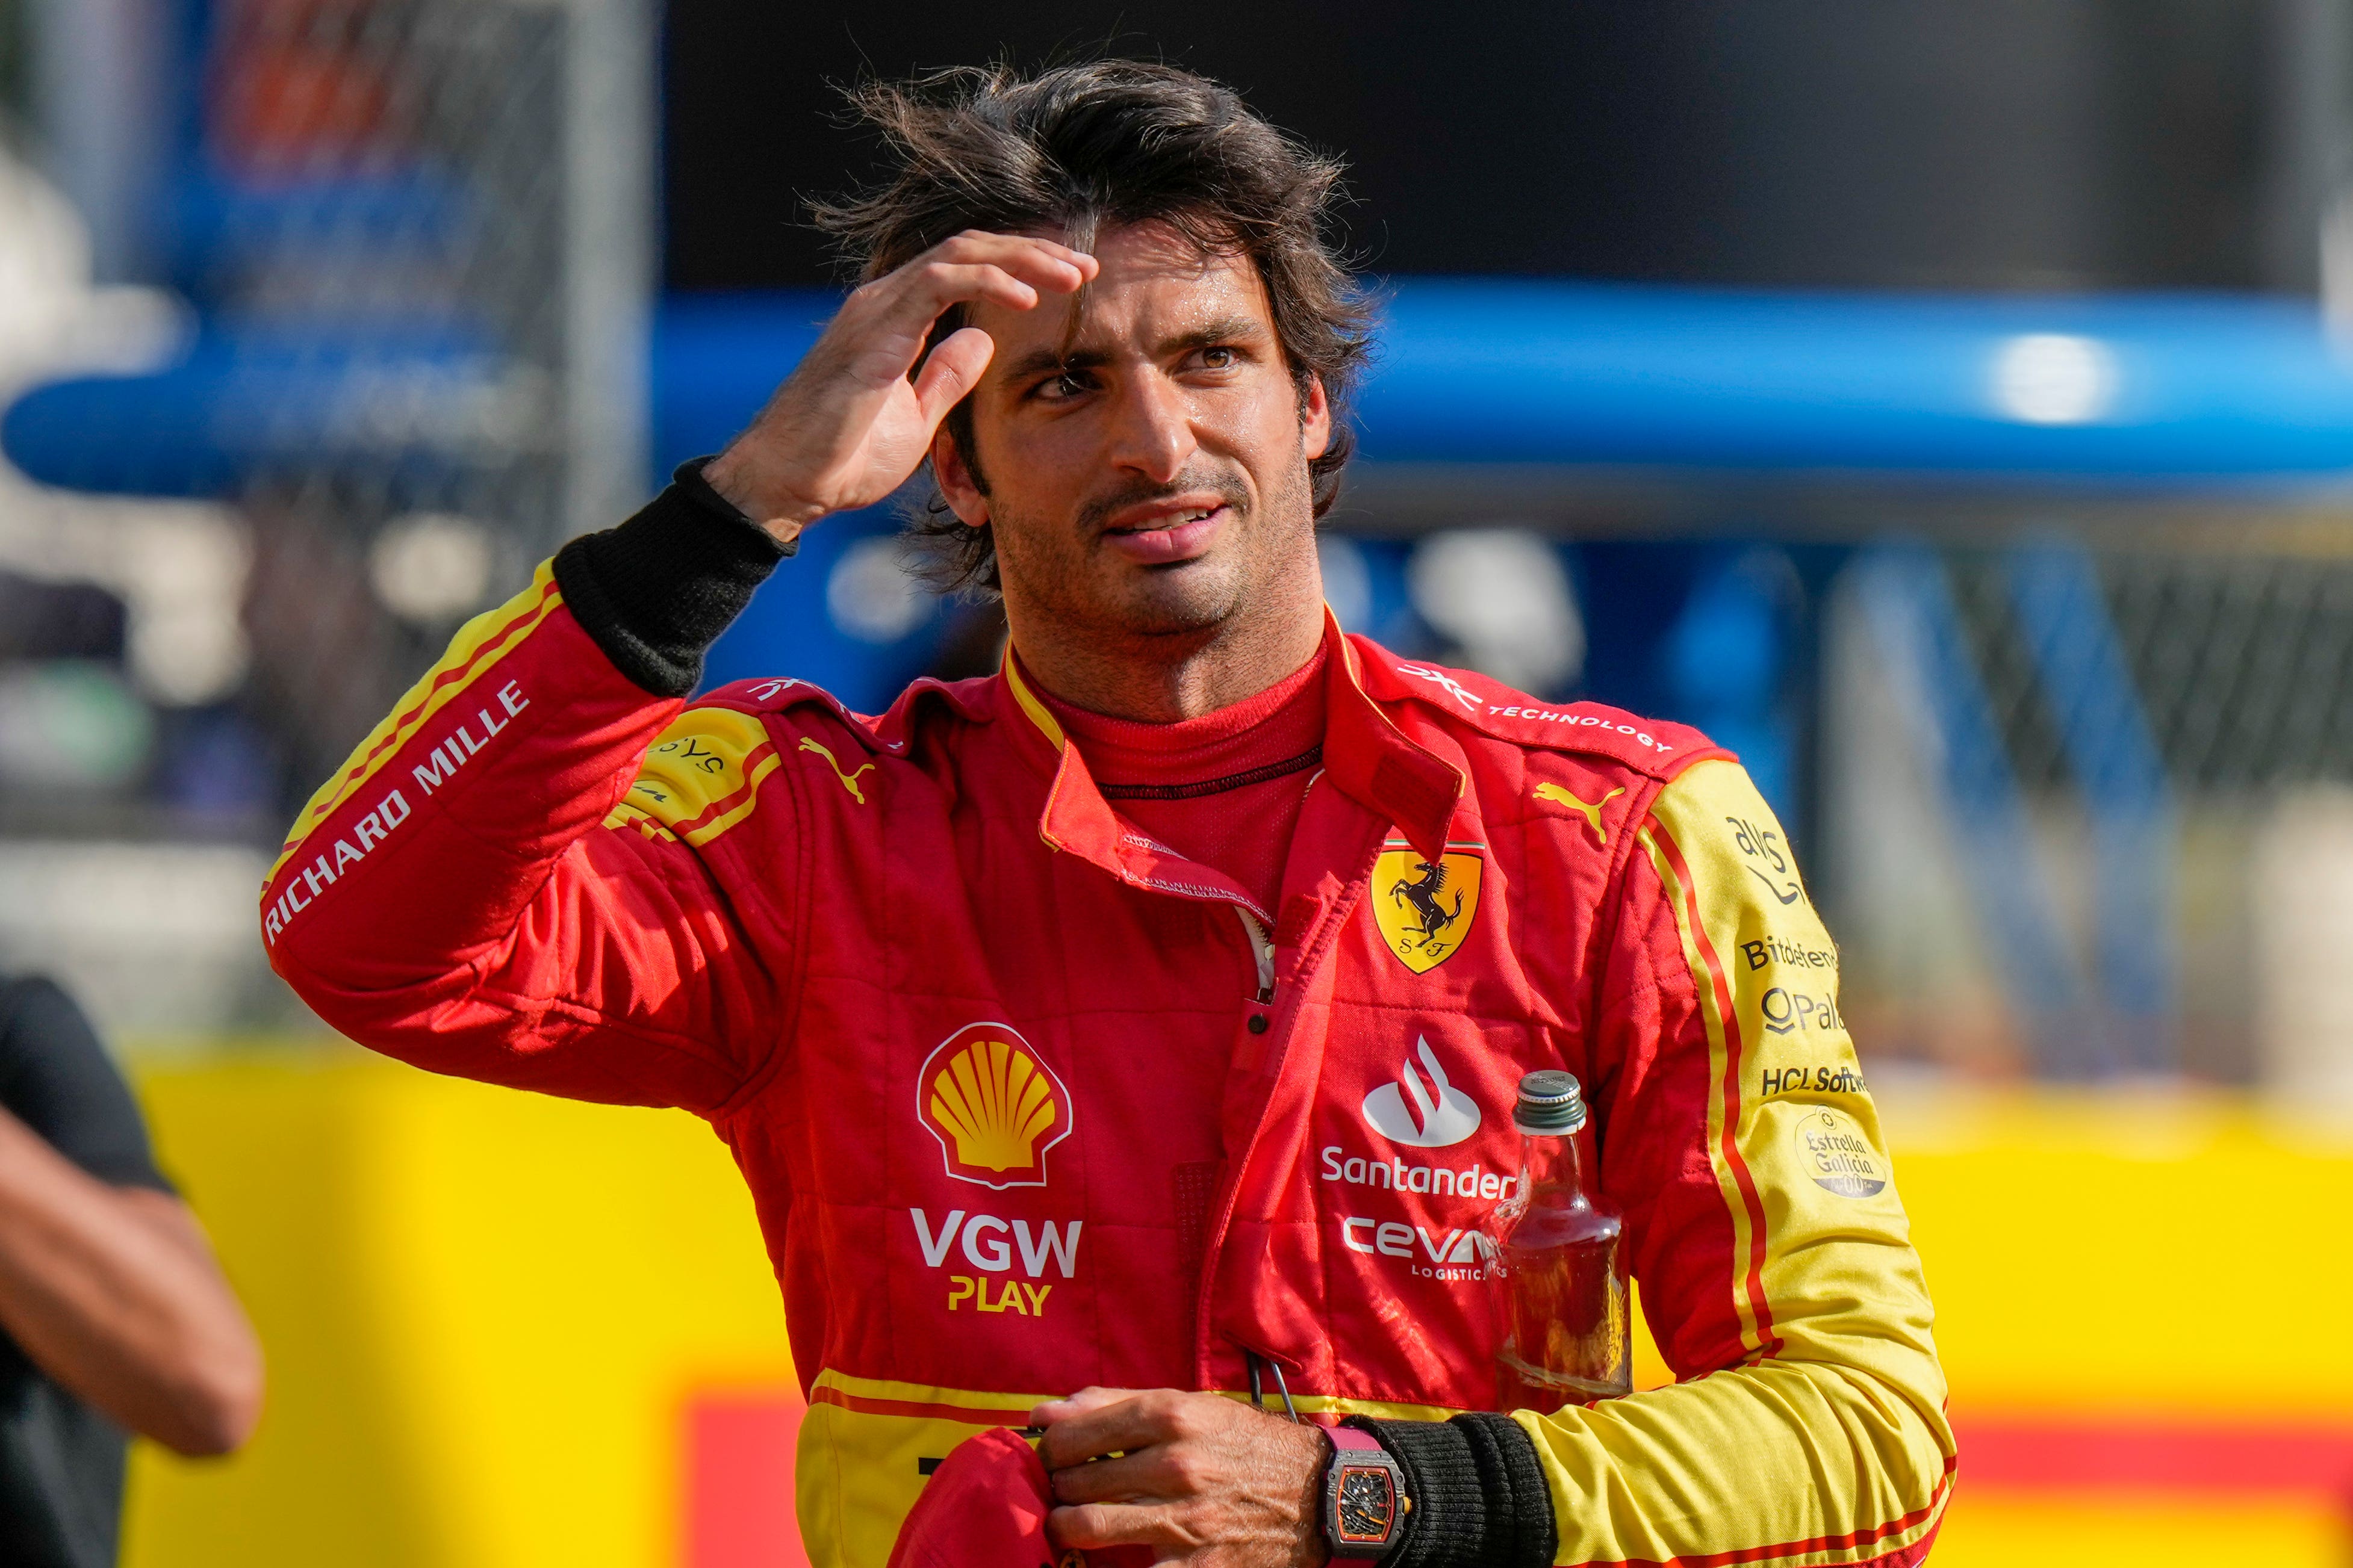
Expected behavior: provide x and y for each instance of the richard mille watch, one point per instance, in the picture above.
(1365, 1503)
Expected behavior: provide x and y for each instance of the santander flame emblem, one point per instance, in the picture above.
(1440, 1115)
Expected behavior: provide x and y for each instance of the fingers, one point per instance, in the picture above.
(1108, 1426)
(1093, 1525)
(932, 286)
(953, 368)
(1001, 269)
(1041, 261)
(1084, 1400)
(1156, 1474)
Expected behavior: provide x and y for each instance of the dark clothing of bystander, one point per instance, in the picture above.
(61, 1462)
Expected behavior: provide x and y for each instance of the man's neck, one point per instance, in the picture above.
(1162, 679)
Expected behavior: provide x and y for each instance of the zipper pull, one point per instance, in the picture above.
(1261, 948)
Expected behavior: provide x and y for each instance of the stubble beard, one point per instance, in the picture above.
(1190, 601)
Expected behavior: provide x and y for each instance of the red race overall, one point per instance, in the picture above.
(1026, 1103)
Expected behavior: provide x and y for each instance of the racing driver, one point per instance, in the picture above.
(1140, 1023)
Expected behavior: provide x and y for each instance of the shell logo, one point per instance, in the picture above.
(995, 1106)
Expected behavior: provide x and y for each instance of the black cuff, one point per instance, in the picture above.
(656, 591)
(1479, 1495)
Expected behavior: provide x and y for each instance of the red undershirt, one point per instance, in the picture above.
(1223, 790)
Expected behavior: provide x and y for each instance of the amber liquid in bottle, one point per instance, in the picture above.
(1558, 1264)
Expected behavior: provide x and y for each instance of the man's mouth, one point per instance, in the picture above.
(1171, 520)
(1163, 535)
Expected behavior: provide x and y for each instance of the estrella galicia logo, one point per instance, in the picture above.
(1837, 1154)
(1440, 1115)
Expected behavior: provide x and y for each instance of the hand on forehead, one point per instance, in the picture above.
(1156, 292)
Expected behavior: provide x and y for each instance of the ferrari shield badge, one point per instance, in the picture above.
(1425, 910)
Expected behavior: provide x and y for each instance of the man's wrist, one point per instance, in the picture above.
(656, 591)
(1480, 1499)
(737, 477)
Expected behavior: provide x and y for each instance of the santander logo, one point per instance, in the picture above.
(1441, 1114)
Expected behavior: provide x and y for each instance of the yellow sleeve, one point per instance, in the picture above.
(1773, 1252)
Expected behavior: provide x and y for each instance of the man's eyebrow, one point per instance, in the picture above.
(1225, 330)
(1040, 360)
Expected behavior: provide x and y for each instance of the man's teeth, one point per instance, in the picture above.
(1174, 520)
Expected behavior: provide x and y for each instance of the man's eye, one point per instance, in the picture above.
(1060, 386)
(1217, 359)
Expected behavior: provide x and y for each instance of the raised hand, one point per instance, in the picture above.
(850, 424)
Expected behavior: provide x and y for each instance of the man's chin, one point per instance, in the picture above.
(1188, 597)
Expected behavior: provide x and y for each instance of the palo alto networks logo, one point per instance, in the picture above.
(995, 1106)
(1440, 1115)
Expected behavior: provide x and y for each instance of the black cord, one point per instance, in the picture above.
(1284, 1388)
(1252, 1360)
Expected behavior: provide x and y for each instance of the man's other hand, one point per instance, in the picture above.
(1200, 1479)
(850, 424)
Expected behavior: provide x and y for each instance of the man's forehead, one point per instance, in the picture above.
(1154, 284)
(1153, 251)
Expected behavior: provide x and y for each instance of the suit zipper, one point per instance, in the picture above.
(1261, 948)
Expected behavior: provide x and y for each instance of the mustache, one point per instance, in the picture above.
(1227, 488)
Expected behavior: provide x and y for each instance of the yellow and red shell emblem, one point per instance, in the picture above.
(995, 1106)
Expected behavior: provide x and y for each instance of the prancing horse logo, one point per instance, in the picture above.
(1425, 909)
(1423, 893)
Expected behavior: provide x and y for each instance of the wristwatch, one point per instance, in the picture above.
(1365, 1502)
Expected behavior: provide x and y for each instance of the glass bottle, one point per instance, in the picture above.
(1558, 1265)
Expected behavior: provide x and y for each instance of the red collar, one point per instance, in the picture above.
(1365, 757)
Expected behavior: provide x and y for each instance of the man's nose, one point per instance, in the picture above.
(1153, 433)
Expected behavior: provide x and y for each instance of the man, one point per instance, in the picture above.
(1144, 1020)
(115, 1315)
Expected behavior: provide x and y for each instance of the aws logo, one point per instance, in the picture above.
(995, 1106)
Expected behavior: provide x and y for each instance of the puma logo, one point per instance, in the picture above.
(848, 781)
(1590, 810)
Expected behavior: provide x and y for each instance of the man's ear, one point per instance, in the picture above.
(1315, 419)
(956, 481)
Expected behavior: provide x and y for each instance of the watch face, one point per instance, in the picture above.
(1367, 1503)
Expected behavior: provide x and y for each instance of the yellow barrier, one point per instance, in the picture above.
(484, 1309)
(2153, 1263)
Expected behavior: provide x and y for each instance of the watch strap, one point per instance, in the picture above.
(1365, 1501)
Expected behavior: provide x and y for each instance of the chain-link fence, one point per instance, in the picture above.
(427, 237)
(415, 239)
(2086, 805)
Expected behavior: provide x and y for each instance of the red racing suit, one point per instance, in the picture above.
(1027, 1102)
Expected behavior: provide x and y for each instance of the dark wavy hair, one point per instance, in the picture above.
(1079, 148)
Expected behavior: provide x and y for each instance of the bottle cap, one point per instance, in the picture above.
(1550, 1102)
